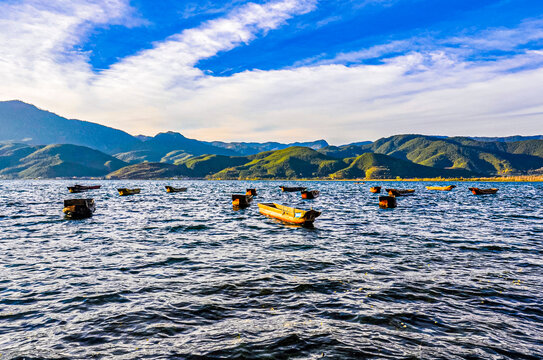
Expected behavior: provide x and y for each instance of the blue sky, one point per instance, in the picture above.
(287, 70)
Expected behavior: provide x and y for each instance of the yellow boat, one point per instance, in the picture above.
(124, 191)
(441, 188)
(288, 214)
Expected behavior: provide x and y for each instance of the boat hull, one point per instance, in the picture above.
(387, 202)
(288, 214)
(375, 189)
(292, 189)
(308, 195)
(441, 188)
(81, 188)
(171, 189)
(126, 192)
(477, 191)
(78, 208)
(241, 201)
(398, 192)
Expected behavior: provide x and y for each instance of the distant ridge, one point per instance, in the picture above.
(508, 138)
(39, 144)
(25, 123)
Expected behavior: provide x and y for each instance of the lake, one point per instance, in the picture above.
(444, 275)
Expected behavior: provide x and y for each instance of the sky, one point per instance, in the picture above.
(281, 70)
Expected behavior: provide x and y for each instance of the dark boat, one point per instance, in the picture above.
(171, 189)
(289, 214)
(250, 192)
(310, 194)
(125, 191)
(241, 200)
(387, 202)
(398, 192)
(292, 189)
(477, 191)
(375, 189)
(78, 208)
(81, 188)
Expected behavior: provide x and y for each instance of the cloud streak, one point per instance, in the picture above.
(423, 85)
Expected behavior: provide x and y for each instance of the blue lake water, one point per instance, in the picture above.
(445, 275)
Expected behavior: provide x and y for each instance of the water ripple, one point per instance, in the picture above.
(183, 276)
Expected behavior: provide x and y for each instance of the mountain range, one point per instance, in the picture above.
(35, 143)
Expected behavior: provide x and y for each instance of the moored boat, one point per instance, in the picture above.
(292, 189)
(241, 200)
(288, 214)
(400, 192)
(125, 191)
(82, 188)
(171, 189)
(477, 191)
(250, 192)
(78, 208)
(441, 188)
(375, 189)
(387, 202)
(310, 194)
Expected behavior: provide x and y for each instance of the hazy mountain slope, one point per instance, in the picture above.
(290, 163)
(508, 138)
(167, 142)
(21, 122)
(252, 148)
(379, 166)
(56, 161)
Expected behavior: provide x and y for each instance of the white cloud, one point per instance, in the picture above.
(430, 89)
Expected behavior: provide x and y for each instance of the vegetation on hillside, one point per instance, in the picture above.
(23, 161)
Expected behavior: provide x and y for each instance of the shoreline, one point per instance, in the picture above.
(524, 178)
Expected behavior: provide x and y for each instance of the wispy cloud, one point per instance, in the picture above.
(429, 84)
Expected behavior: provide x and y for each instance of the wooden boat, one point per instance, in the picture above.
(125, 192)
(81, 188)
(250, 192)
(477, 191)
(171, 189)
(310, 194)
(387, 202)
(375, 189)
(441, 188)
(288, 214)
(398, 192)
(292, 189)
(241, 201)
(78, 208)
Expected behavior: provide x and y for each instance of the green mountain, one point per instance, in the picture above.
(167, 142)
(21, 122)
(344, 151)
(485, 158)
(379, 166)
(252, 148)
(146, 171)
(23, 161)
(206, 165)
(290, 163)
